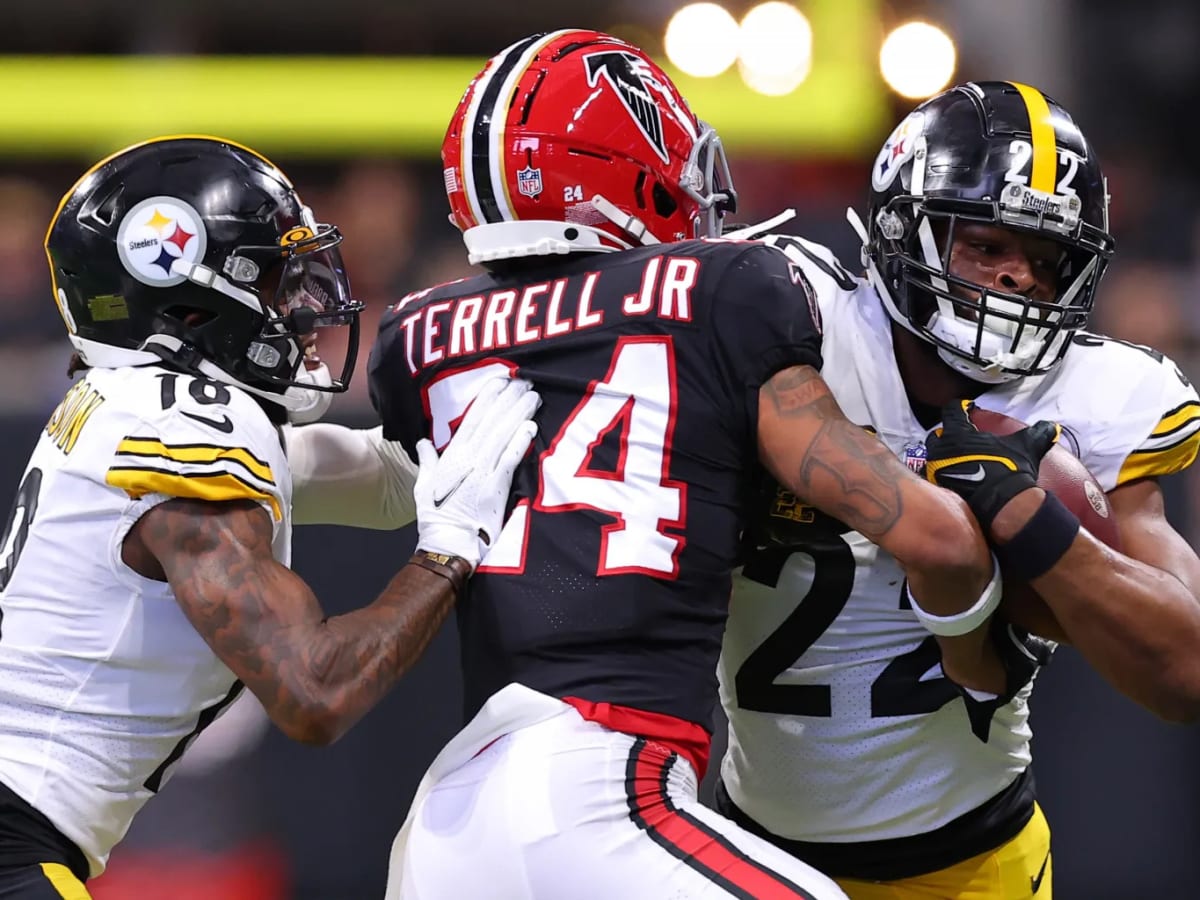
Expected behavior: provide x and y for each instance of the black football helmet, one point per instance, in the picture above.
(1000, 153)
(197, 253)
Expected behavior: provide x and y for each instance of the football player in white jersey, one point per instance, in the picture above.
(144, 568)
(986, 235)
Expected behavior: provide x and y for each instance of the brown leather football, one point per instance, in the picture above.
(1069, 480)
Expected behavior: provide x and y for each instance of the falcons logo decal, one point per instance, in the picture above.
(631, 78)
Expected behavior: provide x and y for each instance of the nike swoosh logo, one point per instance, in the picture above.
(977, 475)
(1035, 883)
(223, 424)
(438, 501)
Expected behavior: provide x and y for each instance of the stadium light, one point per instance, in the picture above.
(701, 40)
(774, 48)
(917, 60)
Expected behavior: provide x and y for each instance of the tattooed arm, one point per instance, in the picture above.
(315, 676)
(807, 443)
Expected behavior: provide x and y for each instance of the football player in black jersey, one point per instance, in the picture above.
(669, 363)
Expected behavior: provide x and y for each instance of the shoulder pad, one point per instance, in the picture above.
(206, 441)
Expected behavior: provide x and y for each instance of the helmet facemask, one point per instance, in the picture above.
(707, 180)
(292, 289)
(986, 333)
(1004, 155)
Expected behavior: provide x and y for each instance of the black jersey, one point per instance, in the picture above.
(610, 581)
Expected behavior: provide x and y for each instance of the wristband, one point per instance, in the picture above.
(967, 620)
(454, 569)
(1041, 542)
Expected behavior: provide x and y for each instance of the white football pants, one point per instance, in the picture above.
(533, 801)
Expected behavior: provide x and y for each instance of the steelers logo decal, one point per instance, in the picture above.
(897, 150)
(154, 234)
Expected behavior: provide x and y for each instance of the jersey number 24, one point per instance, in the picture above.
(636, 399)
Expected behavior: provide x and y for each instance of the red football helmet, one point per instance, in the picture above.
(576, 141)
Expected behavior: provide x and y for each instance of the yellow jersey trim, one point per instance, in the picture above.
(1177, 418)
(1153, 463)
(197, 454)
(215, 487)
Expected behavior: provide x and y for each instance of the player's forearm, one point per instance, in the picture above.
(348, 663)
(848, 474)
(970, 659)
(942, 550)
(946, 588)
(1138, 626)
(349, 476)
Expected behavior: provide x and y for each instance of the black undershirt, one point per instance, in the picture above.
(28, 838)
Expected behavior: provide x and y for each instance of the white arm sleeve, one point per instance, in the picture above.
(349, 476)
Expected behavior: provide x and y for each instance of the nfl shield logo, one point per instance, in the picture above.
(914, 457)
(529, 181)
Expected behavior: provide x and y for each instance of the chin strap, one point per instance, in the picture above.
(874, 276)
(630, 224)
(171, 349)
(750, 232)
(202, 275)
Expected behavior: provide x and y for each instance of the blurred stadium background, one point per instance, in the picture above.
(352, 97)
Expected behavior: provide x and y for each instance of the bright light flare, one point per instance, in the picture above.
(702, 40)
(774, 48)
(917, 60)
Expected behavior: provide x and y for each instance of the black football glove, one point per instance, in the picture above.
(1022, 654)
(986, 470)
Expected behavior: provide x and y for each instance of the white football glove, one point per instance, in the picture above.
(461, 495)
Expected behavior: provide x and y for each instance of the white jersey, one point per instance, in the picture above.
(860, 738)
(103, 681)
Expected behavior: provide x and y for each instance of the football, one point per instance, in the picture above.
(1069, 480)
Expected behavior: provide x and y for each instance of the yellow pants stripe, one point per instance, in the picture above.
(68, 886)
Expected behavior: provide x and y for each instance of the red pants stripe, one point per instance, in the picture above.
(691, 840)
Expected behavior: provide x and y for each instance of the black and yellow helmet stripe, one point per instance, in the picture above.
(1041, 128)
(154, 140)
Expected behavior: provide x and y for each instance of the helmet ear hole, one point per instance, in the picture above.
(664, 203)
(639, 190)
